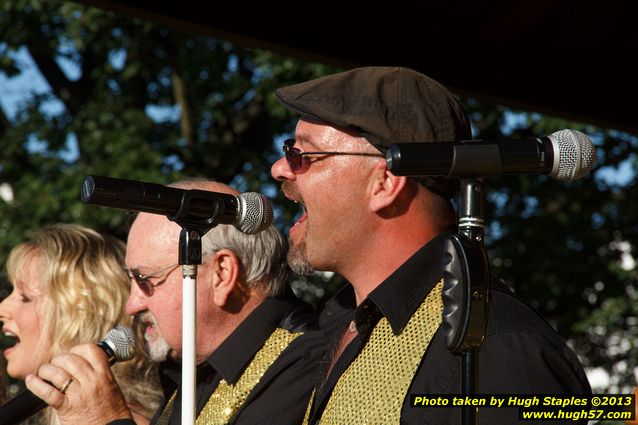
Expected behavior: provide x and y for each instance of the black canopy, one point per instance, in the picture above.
(573, 59)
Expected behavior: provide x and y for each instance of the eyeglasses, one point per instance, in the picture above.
(143, 281)
(299, 164)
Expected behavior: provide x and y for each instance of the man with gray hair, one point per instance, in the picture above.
(255, 356)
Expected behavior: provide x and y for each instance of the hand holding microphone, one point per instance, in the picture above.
(72, 380)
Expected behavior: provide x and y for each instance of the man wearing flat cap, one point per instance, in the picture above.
(385, 234)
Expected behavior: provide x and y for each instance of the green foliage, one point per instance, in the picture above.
(216, 99)
(144, 102)
(568, 247)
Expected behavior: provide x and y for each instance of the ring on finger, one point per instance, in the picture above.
(66, 384)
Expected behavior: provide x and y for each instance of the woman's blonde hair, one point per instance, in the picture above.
(85, 289)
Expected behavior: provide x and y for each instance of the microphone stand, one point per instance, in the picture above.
(196, 212)
(466, 290)
(190, 255)
(190, 249)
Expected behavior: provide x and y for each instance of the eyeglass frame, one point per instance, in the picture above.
(143, 282)
(290, 150)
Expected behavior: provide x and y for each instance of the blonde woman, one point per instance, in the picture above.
(69, 287)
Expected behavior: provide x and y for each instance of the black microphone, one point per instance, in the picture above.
(118, 344)
(250, 212)
(565, 155)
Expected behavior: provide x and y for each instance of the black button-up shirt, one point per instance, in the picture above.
(282, 394)
(521, 354)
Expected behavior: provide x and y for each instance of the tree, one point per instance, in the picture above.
(136, 100)
(568, 248)
(217, 116)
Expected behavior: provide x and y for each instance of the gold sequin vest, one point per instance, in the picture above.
(227, 399)
(374, 386)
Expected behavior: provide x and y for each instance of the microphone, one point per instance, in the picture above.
(565, 155)
(118, 344)
(250, 212)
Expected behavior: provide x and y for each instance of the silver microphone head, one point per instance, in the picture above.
(574, 155)
(255, 212)
(121, 341)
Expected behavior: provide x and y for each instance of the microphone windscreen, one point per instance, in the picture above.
(574, 155)
(119, 344)
(255, 213)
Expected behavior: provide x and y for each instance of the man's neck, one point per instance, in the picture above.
(222, 324)
(346, 338)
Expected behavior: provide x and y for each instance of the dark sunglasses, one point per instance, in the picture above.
(299, 164)
(144, 281)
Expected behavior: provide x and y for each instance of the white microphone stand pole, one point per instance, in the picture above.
(190, 255)
(189, 332)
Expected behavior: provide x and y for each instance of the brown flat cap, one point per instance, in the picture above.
(386, 105)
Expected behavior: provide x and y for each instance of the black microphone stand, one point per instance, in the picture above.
(466, 290)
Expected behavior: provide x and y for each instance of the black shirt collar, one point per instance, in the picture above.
(398, 296)
(403, 291)
(233, 355)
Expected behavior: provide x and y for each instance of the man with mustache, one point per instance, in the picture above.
(256, 359)
(385, 234)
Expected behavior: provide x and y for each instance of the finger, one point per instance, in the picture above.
(66, 385)
(75, 365)
(88, 365)
(95, 355)
(82, 360)
(45, 391)
(54, 375)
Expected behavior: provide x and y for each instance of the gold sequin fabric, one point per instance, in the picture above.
(165, 417)
(374, 386)
(306, 417)
(228, 398)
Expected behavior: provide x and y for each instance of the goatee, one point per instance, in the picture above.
(298, 260)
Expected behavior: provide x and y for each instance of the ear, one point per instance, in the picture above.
(225, 273)
(386, 187)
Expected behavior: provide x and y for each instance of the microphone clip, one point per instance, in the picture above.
(202, 225)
